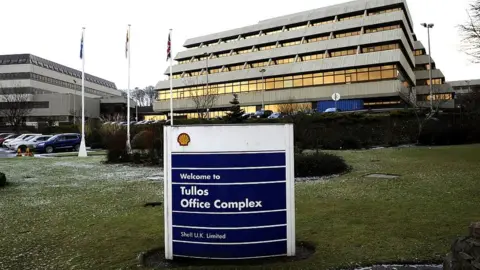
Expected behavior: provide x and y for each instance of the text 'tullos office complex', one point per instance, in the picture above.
(365, 50)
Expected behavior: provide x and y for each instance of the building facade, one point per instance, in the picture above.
(364, 50)
(53, 90)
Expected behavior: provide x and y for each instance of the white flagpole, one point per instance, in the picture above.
(171, 80)
(128, 95)
(83, 149)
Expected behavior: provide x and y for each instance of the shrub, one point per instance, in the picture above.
(319, 164)
(116, 148)
(3, 180)
(143, 140)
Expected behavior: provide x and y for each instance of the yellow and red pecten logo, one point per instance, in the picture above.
(183, 139)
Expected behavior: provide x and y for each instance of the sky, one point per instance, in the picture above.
(51, 29)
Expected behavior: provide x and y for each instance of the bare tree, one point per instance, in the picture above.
(470, 32)
(422, 112)
(150, 95)
(292, 108)
(204, 99)
(112, 117)
(14, 106)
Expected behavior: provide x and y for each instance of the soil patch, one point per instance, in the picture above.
(155, 259)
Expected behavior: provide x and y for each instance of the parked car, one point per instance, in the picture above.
(68, 141)
(29, 143)
(262, 114)
(22, 137)
(332, 110)
(3, 139)
(275, 115)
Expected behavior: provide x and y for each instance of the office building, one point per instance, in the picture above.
(54, 91)
(364, 50)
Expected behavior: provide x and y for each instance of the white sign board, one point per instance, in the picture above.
(336, 97)
(229, 191)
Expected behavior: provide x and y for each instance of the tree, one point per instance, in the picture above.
(14, 106)
(292, 108)
(150, 95)
(422, 113)
(236, 113)
(204, 98)
(470, 31)
(470, 102)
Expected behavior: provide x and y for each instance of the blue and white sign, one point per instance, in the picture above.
(229, 191)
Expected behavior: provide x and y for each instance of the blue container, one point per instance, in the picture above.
(343, 105)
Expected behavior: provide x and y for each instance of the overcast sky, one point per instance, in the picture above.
(52, 28)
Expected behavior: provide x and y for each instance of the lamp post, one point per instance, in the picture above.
(263, 88)
(429, 26)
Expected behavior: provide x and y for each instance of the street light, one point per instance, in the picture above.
(263, 88)
(429, 26)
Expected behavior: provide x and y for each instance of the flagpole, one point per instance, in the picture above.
(83, 149)
(128, 95)
(171, 80)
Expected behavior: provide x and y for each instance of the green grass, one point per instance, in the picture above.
(66, 213)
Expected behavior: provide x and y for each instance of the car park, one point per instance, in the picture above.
(5, 137)
(8, 142)
(29, 143)
(67, 141)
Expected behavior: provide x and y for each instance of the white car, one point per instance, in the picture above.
(30, 142)
(22, 137)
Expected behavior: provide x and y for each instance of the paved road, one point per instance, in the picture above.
(6, 154)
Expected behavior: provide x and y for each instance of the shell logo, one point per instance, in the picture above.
(183, 139)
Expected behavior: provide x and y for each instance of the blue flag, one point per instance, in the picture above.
(81, 48)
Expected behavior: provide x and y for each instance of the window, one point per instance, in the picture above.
(177, 76)
(419, 52)
(243, 51)
(322, 22)
(447, 96)
(385, 72)
(223, 54)
(291, 43)
(215, 70)
(235, 67)
(382, 28)
(346, 34)
(311, 57)
(427, 82)
(267, 47)
(260, 64)
(343, 52)
(350, 17)
(248, 36)
(376, 12)
(291, 28)
(317, 39)
(184, 61)
(379, 48)
(271, 32)
(285, 61)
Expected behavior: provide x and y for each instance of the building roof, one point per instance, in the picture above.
(19, 59)
(465, 83)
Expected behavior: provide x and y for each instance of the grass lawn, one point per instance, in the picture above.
(69, 213)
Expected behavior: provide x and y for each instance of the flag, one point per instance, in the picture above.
(127, 45)
(81, 47)
(169, 48)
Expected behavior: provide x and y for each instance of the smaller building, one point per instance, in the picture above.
(53, 91)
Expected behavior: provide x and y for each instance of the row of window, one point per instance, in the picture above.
(419, 52)
(27, 59)
(291, 59)
(25, 105)
(322, 21)
(299, 41)
(427, 82)
(61, 83)
(311, 79)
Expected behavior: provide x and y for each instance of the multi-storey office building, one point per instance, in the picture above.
(54, 90)
(365, 50)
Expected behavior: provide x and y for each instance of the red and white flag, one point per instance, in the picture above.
(169, 48)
